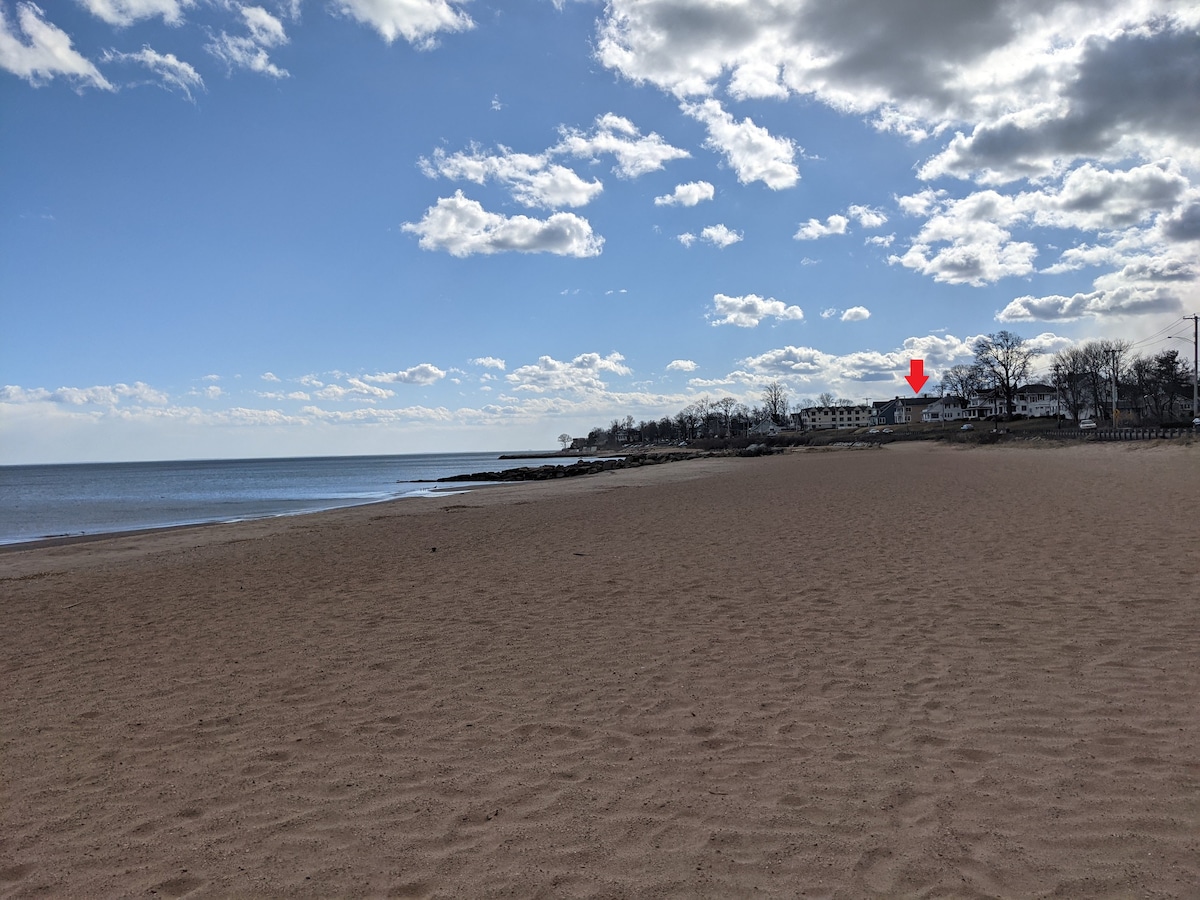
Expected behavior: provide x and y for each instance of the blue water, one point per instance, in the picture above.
(37, 502)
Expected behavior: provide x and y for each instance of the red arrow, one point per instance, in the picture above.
(916, 376)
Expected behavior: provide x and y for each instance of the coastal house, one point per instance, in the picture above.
(945, 409)
(914, 407)
(826, 417)
(1032, 400)
(888, 412)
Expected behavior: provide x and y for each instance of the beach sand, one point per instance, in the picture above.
(911, 671)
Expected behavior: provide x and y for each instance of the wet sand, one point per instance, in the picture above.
(912, 671)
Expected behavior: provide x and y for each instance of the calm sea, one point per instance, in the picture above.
(96, 498)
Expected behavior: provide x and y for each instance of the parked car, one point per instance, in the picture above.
(1087, 424)
(888, 431)
(967, 427)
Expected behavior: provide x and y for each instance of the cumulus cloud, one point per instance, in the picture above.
(1039, 81)
(425, 373)
(687, 238)
(532, 179)
(876, 372)
(489, 362)
(122, 13)
(815, 228)
(753, 152)
(856, 314)
(1095, 106)
(99, 395)
(250, 51)
(354, 389)
(636, 154)
(1134, 93)
(748, 311)
(585, 373)
(270, 376)
(39, 51)
(462, 227)
(720, 236)
(174, 73)
(681, 365)
(417, 21)
(1128, 300)
(867, 216)
(688, 194)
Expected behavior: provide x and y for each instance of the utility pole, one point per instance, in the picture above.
(1195, 365)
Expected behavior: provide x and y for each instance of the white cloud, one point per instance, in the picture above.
(122, 13)
(489, 362)
(867, 217)
(750, 310)
(584, 373)
(636, 154)
(250, 51)
(425, 373)
(536, 180)
(417, 21)
(270, 376)
(688, 194)
(829, 313)
(39, 51)
(174, 73)
(687, 238)
(354, 389)
(862, 373)
(1128, 300)
(720, 236)
(815, 228)
(1038, 81)
(880, 240)
(99, 395)
(979, 248)
(750, 149)
(856, 314)
(462, 227)
(681, 365)
(533, 179)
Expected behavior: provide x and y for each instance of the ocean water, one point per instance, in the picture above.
(37, 502)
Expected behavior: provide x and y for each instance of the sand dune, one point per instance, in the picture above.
(915, 671)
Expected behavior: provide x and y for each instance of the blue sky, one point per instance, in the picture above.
(295, 227)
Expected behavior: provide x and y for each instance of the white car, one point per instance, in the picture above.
(967, 427)
(1087, 425)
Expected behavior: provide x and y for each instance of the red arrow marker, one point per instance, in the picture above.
(916, 376)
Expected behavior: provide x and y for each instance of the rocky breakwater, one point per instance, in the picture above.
(583, 467)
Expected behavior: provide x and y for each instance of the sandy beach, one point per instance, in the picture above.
(911, 671)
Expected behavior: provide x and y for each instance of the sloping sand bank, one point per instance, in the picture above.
(910, 671)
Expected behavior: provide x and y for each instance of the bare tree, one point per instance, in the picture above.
(775, 405)
(565, 439)
(963, 381)
(1160, 380)
(1070, 368)
(826, 399)
(726, 406)
(1005, 359)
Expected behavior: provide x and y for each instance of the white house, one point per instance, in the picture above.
(945, 409)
